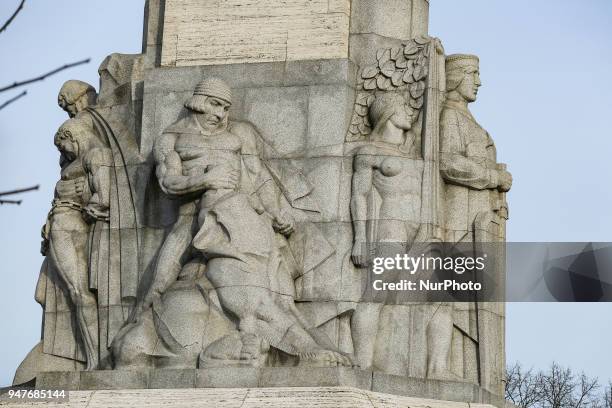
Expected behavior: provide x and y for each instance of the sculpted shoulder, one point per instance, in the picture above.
(449, 115)
(365, 156)
(246, 131)
(367, 150)
(183, 125)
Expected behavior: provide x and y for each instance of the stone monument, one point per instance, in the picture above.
(221, 198)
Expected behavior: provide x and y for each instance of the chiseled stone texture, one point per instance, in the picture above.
(320, 397)
(267, 378)
(232, 31)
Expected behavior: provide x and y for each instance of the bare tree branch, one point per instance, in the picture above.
(523, 388)
(11, 18)
(607, 401)
(586, 390)
(558, 387)
(8, 102)
(21, 190)
(42, 77)
(18, 202)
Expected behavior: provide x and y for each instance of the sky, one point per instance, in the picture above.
(546, 99)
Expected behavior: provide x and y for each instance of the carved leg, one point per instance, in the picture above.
(260, 317)
(364, 326)
(134, 345)
(69, 253)
(439, 341)
(170, 261)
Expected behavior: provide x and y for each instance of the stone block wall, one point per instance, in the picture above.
(229, 31)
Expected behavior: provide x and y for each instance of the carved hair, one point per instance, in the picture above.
(384, 106)
(80, 132)
(73, 90)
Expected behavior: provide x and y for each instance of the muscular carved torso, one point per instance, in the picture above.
(200, 153)
(71, 191)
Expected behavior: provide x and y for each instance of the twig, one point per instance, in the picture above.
(42, 77)
(21, 190)
(5, 104)
(18, 202)
(11, 18)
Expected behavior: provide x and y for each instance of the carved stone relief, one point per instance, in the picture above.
(208, 252)
(232, 223)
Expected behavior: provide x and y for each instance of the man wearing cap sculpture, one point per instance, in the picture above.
(228, 220)
(475, 186)
(468, 158)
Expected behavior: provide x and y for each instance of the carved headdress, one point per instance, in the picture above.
(215, 87)
(456, 66)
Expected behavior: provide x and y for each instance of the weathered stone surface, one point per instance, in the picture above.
(332, 397)
(257, 31)
(409, 18)
(161, 379)
(267, 377)
(216, 215)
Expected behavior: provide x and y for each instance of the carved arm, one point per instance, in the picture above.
(363, 166)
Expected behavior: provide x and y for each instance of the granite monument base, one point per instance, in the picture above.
(266, 377)
(306, 397)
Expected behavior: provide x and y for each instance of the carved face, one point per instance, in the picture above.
(65, 142)
(468, 88)
(213, 113)
(403, 117)
(70, 108)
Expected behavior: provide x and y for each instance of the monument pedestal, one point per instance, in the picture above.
(274, 379)
(306, 397)
(287, 137)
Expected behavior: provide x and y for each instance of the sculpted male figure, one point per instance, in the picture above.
(475, 204)
(80, 198)
(229, 221)
(468, 159)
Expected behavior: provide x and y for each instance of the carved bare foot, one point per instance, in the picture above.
(325, 358)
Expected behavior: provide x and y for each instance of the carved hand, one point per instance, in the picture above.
(359, 255)
(44, 247)
(44, 244)
(94, 212)
(284, 224)
(505, 181)
(256, 204)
